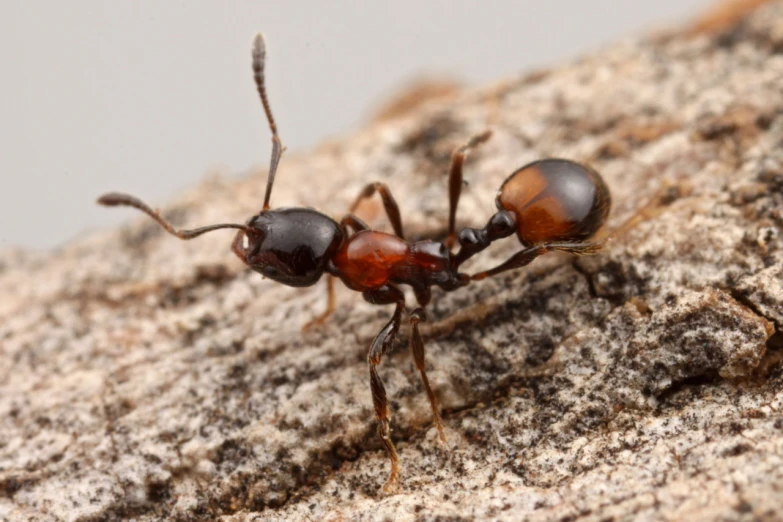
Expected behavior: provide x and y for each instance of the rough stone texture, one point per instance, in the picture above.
(147, 378)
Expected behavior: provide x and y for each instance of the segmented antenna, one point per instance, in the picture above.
(259, 59)
(116, 199)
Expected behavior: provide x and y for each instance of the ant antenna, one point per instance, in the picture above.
(259, 59)
(115, 199)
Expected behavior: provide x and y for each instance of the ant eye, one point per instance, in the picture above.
(245, 242)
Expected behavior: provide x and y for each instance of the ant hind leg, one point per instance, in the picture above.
(527, 255)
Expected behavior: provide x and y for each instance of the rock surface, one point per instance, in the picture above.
(148, 378)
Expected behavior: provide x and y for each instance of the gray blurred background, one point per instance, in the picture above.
(148, 97)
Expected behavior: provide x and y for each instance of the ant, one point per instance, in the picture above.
(550, 204)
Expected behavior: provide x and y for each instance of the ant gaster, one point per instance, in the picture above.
(551, 204)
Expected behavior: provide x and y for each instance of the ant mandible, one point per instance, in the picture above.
(551, 204)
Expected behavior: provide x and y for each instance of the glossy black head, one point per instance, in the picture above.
(293, 246)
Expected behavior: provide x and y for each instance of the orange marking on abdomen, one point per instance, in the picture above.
(555, 200)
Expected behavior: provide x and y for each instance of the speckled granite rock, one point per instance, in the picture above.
(143, 377)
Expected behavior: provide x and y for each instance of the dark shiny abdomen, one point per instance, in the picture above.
(555, 200)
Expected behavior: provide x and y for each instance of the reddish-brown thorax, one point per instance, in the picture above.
(369, 260)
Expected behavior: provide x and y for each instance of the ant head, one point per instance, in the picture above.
(290, 245)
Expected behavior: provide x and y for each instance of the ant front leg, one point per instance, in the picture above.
(385, 295)
(417, 348)
(331, 305)
(455, 181)
(349, 221)
(389, 204)
(526, 256)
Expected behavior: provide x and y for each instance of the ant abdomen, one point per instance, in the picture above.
(555, 200)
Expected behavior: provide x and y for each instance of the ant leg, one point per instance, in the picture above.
(417, 348)
(385, 295)
(354, 222)
(389, 204)
(349, 221)
(455, 181)
(331, 304)
(526, 256)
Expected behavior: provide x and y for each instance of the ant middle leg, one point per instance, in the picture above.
(417, 349)
(455, 181)
(385, 295)
(527, 255)
(389, 204)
